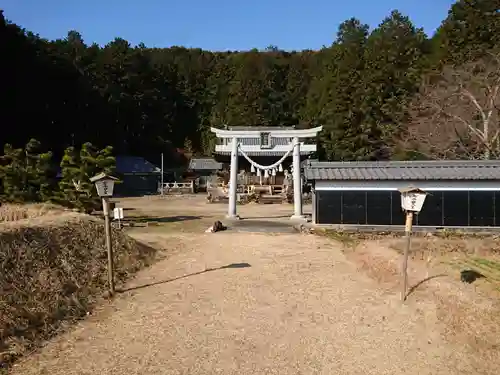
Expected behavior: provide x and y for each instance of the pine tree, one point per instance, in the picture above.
(69, 184)
(12, 174)
(246, 91)
(27, 174)
(334, 98)
(471, 29)
(40, 178)
(394, 58)
(76, 170)
(188, 147)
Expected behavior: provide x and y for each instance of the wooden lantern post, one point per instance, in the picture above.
(104, 185)
(412, 200)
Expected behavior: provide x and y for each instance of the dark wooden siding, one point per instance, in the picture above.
(137, 185)
(441, 208)
(378, 207)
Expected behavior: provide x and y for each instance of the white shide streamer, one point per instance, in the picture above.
(258, 166)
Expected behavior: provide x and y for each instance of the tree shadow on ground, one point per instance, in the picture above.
(415, 287)
(232, 265)
(265, 217)
(167, 219)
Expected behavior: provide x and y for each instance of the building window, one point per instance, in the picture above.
(265, 140)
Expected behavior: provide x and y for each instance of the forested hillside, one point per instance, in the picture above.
(390, 92)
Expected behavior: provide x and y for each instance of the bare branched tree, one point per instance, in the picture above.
(457, 113)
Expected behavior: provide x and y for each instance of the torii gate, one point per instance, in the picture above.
(232, 140)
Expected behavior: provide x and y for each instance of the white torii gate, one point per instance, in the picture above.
(232, 137)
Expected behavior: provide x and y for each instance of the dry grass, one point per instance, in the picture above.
(456, 253)
(53, 271)
(446, 244)
(473, 325)
(469, 314)
(349, 240)
(480, 252)
(15, 212)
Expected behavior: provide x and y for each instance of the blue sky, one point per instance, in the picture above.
(216, 24)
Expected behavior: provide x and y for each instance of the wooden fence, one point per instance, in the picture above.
(177, 188)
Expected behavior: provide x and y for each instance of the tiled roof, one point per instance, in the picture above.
(304, 163)
(204, 164)
(135, 164)
(404, 170)
(275, 141)
(261, 128)
(263, 153)
(256, 141)
(129, 164)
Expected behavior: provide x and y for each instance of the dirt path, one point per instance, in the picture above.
(298, 306)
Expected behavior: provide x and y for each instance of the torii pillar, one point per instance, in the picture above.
(233, 181)
(298, 213)
(294, 134)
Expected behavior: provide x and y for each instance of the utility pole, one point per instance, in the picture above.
(162, 174)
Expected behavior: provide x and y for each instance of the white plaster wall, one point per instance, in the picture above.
(395, 185)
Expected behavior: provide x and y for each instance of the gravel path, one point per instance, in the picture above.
(300, 307)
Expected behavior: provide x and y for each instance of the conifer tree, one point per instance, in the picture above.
(471, 29)
(40, 182)
(77, 167)
(333, 97)
(394, 60)
(27, 174)
(12, 174)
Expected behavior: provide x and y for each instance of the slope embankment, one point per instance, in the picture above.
(53, 270)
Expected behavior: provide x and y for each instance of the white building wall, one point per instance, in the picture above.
(428, 185)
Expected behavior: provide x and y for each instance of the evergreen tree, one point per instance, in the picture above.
(12, 174)
(334, 99)
(71, 177)
(26, 174)
(471, 28)
(394, 58)
(188, 148)
(40, 179)
(77, 168)
(146, 101)
(246, 91)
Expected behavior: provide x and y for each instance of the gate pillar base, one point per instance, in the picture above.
(298, 218)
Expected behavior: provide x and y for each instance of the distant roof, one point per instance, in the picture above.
(263, 153)
(204, 164)
(304, 163)
(261, 128)
(404, 170)
(135, 164)
(256, 141)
